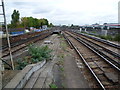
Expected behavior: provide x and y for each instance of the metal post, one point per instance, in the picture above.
(7, 34)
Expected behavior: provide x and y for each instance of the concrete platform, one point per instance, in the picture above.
(74, 77)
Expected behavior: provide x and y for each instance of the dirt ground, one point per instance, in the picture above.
(66, 73)
(7, 75)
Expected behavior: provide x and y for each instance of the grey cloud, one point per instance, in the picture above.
(40, 11)
(25, 4)
(62, 12)
(20, 3)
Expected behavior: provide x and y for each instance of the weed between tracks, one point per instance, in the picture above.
(36, 54)
(63, 44)
(107, 37)
(53, 86)
(59, 67)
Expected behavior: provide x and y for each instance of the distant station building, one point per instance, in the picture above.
(44, 27)
(105, 26)
(112, 26)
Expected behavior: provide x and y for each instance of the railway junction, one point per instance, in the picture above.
(78, 61)
(58, 56)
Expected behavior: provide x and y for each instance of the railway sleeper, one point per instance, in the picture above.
(102, 77)
(98, 70)
(105, 81)
(102, 48)
(92, 59)
(112, 77)
(100, 55)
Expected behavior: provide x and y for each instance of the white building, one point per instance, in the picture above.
(119, 12)
(44, 27)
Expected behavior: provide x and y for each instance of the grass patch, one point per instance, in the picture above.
(63, 45)
(61, 56)
(111, 38)
(62, 69)
(108, 37)
(21, 64)
(83, 32)
(94, 32)
(53, 86)
(62, 39)
(61, 59)
(117, 37)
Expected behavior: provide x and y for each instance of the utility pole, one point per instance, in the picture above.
(119, 12)
(7, 34)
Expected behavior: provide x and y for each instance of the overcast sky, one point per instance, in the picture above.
(67, 12)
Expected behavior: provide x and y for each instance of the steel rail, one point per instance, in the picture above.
(22, 38)
(22, 41)
(108, 51)
(102, 52)
(101, 40)
(116, 63)
(35, 40)
(6, 63)
(117, 68)
(81, 56)
(27, 41)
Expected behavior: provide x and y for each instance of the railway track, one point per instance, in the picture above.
(104, 72)
(39, 74)
(22, 41)
(102, 42)
(109, 52)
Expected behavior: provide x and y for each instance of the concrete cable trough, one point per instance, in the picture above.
(21, 78)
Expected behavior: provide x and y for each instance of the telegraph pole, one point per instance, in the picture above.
(7, 34)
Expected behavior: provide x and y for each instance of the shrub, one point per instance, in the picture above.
(108, 37)
(117, 37)
(36, 54)
(102, 37)
(94, 32)
(39, 53)
(53, 86)
(21, 64)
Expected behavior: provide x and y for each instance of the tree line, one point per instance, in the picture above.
(26, 22)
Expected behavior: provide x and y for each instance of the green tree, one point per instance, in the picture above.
(51, 25)
(33, 22)
(15, 19)
(24, 22)
(72, 25)
(44, 21)
(36, 23)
